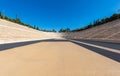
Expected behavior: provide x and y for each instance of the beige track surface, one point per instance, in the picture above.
(55, 59)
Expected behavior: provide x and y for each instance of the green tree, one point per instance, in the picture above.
(5, 17)
(17, 20)
(99, 22)
(53, 30)
(65, 30)
(1, 15)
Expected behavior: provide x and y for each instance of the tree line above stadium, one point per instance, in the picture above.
(94, 24)
(91, 25)
(99, 22)
(18, 21)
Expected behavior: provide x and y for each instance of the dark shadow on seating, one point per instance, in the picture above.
(112, 55)
(18, 44)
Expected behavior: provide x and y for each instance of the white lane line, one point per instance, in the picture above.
(97, 46)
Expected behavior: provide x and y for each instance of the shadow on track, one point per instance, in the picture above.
(18, 44)
(106, 53)
(100, 43)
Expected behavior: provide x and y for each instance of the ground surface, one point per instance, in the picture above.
(63, 59)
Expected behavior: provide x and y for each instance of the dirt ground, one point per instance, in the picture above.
(55, 59)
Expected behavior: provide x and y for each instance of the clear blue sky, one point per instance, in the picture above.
(56, 14)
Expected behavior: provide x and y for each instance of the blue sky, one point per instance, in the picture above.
(56, 14)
